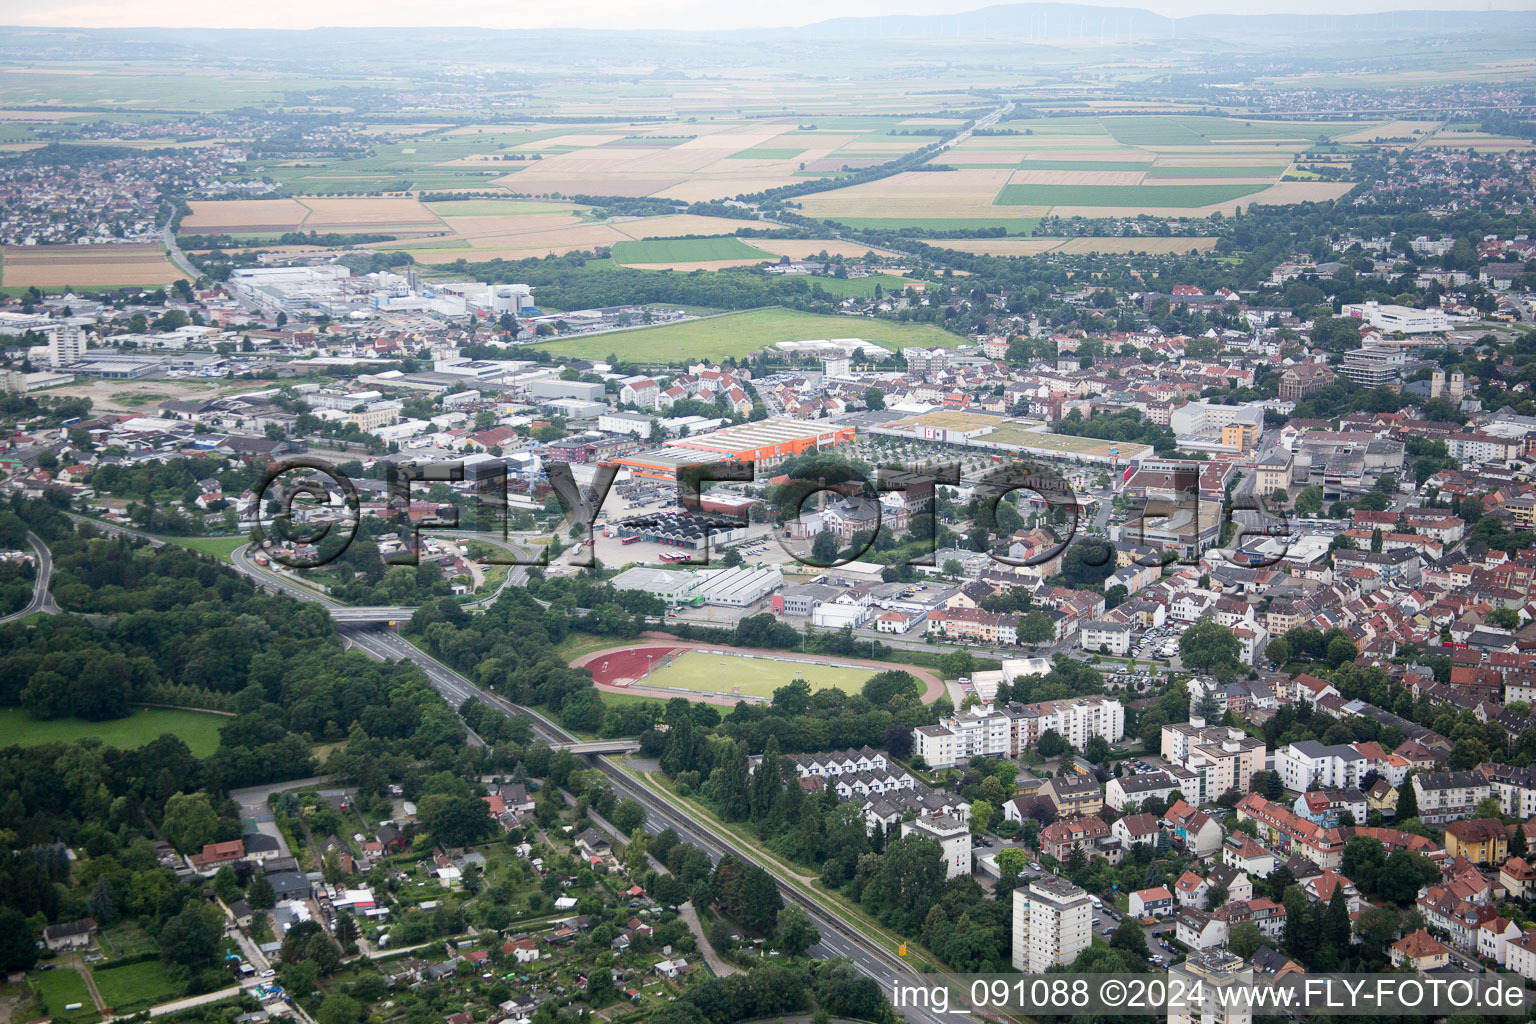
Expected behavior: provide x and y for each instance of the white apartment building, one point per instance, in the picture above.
(953, 835)
(1222, 758)
(1204, 973)
(1109, 637)
(1310, 764)
(1390, 318)
(984, 732)
(1075, 719)
(66, 344)
(1052, 924)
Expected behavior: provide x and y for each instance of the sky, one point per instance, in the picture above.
(601, 14)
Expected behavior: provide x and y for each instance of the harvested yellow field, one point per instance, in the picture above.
(243, 216)
(371, 212)
(1001, 246)
(1477, 140)
(1077, 178)
(680, 224)
(57, 266)
(617, 185)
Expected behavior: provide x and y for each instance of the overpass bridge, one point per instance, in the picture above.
(373, 614)
(600, 747)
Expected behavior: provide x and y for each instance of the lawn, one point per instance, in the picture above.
(199, 730)
(740, 334)
(133, 987)
(729, 674)
(1152, 197)
(62, 987)
(687, 250)
(219, 547)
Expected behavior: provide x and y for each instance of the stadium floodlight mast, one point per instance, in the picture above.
(1180, 501)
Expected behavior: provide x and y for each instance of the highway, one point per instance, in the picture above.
(42, 599)
(838, 939)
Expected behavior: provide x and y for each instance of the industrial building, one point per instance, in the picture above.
(740, 587)
(1398, 319)
(681, 530)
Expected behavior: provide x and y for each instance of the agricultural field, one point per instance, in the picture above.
(719, 672)
(132, 395)
(740, 334)
(1176, 164)
(688, 253)
(87, 266)
(199, 730)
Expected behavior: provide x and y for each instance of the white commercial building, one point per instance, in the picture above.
(953, 836)
(1052, 924)
(740, 587)
(1392, 318)
(1109, 637)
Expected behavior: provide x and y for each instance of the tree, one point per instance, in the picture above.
(260, 895)
(1208, 646)
(796, 933)
(1036, 628)
(628, 816)
(225, 884)
(1051, 744)
(189, 939)
(957, 664)
(824, 548)
(18, 946)
(1245, 939)
(1097, 749)
(981, 815)
(189, 822)
(461, 821)
(322, 952)
(339, 1009)
(1129, 937)
(1407, 801)
(874, 398)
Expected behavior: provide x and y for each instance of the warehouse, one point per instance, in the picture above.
(740, 587)
(681, 530)
(670, 585)
(663, 463)
(768, 441)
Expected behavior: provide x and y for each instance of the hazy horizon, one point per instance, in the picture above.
(709, 15)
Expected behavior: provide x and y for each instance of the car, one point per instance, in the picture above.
(268, 973)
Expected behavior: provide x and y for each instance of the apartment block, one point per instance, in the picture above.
(1447, 796)
(1208, 975)
(1052, 924)
(1222, 758)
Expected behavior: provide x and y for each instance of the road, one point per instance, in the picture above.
(42, 599)
(838, 939)
(177, 256)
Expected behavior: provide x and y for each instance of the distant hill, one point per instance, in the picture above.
(1047, 22)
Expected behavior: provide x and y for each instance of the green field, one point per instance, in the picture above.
(1193, 130)
(740, 334)
(728, 674)
(60, 988)
(687, 250)
(766, 153)
(1235, 171)
(1150, 197)
(862, 287)
(219, 547)
(1013, 225)
(198, 730)
(133, 987)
